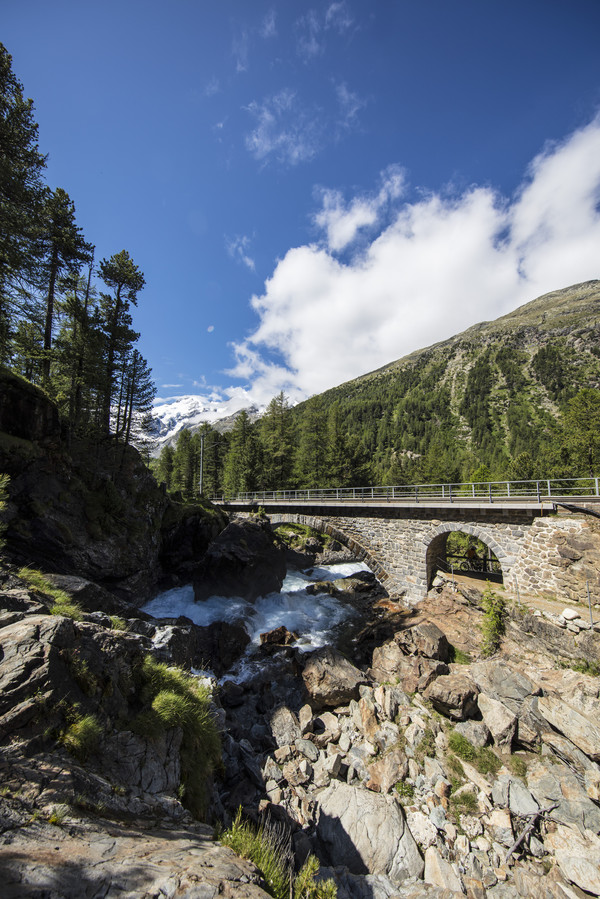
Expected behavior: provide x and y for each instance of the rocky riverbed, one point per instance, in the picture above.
(407, 773)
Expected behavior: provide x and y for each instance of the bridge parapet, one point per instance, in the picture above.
(472, 493)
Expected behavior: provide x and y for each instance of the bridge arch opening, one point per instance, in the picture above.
(360, 552)
(471, 554)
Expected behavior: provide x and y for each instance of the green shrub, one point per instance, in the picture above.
(487, 762)
(455, 766)
(82, 736)
(58, 814)
(84, 678)
(62, 603)
(118, 624)
(494, 621)
(583, 666)
(174, 698)
(268, 847)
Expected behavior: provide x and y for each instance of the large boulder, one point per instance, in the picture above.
(244, 560)
(425, 639)
(367, 832)
(454, 696)
(413, 672)
(331, 679)
(215, 646)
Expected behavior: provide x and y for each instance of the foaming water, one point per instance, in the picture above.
(313, 618)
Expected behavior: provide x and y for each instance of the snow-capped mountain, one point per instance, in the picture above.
(172, 415)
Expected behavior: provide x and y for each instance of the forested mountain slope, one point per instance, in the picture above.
(484, 397)
(514, 398)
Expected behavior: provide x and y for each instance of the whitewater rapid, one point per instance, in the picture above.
(314, 618)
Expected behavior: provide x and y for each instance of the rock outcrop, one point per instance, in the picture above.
(90, 509)
(244, 560)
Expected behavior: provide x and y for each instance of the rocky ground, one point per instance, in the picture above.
(408, 773)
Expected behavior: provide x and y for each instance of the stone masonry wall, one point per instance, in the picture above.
(553, 555)
(559, 557)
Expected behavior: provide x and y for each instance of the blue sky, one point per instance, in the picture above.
(313, 189)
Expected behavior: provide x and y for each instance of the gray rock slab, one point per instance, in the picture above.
(367, 832)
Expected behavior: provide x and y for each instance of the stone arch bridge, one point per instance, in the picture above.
(543, 546)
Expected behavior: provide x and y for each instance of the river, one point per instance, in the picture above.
(315, 619)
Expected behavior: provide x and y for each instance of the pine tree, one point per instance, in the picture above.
(582, 431)
(210, 449)
(21, 194)
(185, 466)
(339, 457)
(276, 439)
(165, 466)
(126, 280)
(139, 393)
(242, 460)
(63, 249)
(311, 468)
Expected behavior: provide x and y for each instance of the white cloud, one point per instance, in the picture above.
(309, 43)
(311, 28)
(240, 52)
(338, 17)
(342, 222)
(349, 103)
(432, 268)
(284, 130)
(237, 247)
(212, 87)
(268, 28)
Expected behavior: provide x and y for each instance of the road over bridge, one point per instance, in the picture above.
(545, 534)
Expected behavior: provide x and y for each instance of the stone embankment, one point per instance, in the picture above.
(411, 776)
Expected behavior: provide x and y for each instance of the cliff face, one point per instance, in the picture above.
(26, 411)
(89, 508)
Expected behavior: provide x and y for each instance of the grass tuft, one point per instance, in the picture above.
(82, 736)
(484, 759)
(459, 656)
(269, 848)
(62, 603)
(174, 698)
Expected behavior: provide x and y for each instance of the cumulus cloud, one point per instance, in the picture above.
(429, 269)
(341, 222)
(237, 247)
(284, 130)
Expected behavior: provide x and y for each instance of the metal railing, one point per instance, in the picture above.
(486, 491)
